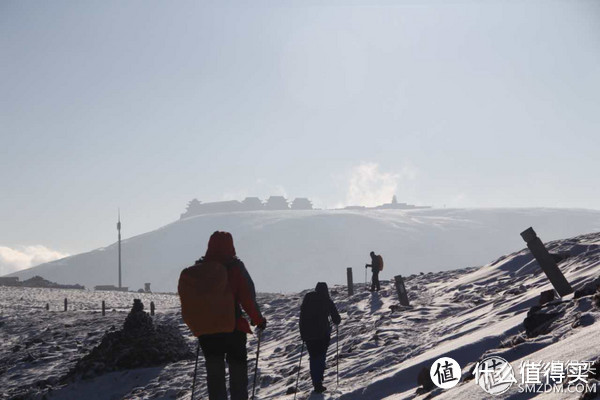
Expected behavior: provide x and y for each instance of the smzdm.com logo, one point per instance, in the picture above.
(495, 376)
(556, 377)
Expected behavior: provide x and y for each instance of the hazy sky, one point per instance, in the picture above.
(145, 105)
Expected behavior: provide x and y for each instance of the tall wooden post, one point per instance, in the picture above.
(119, 230)
(65, 304)
(47, 306)
(152, 308)
(546, 262)
(103, 308)
(401, 290)
(350, 283)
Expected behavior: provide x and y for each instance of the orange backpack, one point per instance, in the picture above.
(207, 304)
(380, 262)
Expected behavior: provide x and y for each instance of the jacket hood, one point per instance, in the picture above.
(322, 289)
(220, 247)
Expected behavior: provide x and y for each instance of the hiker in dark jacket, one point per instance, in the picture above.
(375, 268)
(230, 346)
(315, 330)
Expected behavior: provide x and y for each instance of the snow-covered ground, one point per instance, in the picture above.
(464, 314)
(287, 250)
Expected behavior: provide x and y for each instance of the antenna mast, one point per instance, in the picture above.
(119, 230)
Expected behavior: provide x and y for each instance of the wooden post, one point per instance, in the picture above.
(103, 308)
(401, 290)
(546, 262)
(152, 308)
(65, 304)
(350, 283)
(47, 307)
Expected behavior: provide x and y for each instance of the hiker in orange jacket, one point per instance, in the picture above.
(231, 346)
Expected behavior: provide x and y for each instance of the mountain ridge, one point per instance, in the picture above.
(288, 250)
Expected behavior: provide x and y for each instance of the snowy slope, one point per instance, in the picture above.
(288, 250)
(464, 314)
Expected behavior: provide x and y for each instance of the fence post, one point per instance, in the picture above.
(546, 262)
(152, 308)
(401, 290)
(350, 283)
(103, 308)
(65, 304)
(47, 307)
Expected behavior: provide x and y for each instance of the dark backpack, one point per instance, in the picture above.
(314, 317)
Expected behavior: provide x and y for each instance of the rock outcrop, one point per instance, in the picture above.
(139, 344)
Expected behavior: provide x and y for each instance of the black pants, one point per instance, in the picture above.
(375, 281)
(218, 347)
(317, 350)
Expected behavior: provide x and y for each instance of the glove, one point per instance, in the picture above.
(262, 325)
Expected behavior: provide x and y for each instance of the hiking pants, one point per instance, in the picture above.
(317, 350)
(375, 281)
(232, 347)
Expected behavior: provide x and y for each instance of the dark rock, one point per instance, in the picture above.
(588, 289)
(596, 299)
(547, 296)
(138, 320)
(582, 320)
(139, 344)
(291, 390)
(424, 380)
(538, 322)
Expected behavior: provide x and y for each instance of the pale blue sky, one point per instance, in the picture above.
(146, 105)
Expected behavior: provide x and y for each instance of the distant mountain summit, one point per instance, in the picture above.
(273, 203)
(394, 205)
(196, 207)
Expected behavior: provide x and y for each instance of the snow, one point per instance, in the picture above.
(465, 314)
(286, 251)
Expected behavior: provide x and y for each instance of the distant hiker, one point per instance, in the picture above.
(211, 292)
(376, 266)
(315, 330)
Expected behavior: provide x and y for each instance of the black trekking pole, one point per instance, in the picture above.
(259, 334)
(195, 370)
(337, 356)
(299, 364)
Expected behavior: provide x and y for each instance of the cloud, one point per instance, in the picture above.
(23, 257)
(369, 186)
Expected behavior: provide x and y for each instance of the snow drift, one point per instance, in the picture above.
(466, 314)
